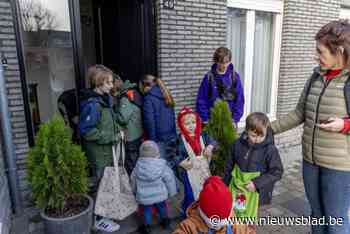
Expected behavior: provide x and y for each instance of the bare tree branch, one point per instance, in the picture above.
(35, 16)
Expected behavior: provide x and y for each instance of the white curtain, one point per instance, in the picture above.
(236, 34)
(262, 64)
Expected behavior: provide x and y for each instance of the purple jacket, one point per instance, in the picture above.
(204, 104)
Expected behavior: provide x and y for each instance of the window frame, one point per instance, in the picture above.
(74, 18)
(251, 6)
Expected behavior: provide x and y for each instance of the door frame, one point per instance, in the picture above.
(78, 58)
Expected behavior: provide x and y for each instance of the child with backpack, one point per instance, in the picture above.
(207, 215)
(98, 128)
(159, 117)
(221, 82)
(254, 166)
(128, 109)
(193, 154)
(153, 182)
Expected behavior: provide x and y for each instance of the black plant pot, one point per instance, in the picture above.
(78, 224)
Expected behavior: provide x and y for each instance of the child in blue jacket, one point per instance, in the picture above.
(221, 82)
(153, 182)
(159, 117)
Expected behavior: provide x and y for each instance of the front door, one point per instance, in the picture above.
(120, 35)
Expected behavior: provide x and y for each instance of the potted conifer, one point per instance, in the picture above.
(220, 127)
(57, 174)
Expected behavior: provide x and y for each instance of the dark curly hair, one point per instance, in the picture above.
(336, 37)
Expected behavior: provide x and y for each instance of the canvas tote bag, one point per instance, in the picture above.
(200, 171)
(115, 198)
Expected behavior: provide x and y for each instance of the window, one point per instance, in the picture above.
(344, 13)
(48, 56)
(254, 37)
(236, 32)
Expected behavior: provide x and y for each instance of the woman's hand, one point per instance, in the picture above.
(250, 186)
(334, 124)
(208, 151)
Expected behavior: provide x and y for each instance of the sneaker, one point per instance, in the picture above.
(106, 225)
(165, 223)
(144, 229)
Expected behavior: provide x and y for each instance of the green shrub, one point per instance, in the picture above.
(220, 127)
(57, 168)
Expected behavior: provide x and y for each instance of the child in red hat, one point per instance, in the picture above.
(194, 151)
(208, 214)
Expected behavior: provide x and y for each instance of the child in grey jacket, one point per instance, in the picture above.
(153, 182)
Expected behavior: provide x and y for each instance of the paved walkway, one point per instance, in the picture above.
(288, 201)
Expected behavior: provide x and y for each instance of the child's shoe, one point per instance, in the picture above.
(165, 223)
(144, 229)
(106, 225)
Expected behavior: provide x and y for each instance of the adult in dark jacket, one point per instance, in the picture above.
(221, 82)
(159, 116)
(255, 151)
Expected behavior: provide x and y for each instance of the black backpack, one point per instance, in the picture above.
(315, 76)
(227, 94)
(67, 104)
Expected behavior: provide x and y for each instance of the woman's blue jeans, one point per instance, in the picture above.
(328, 192)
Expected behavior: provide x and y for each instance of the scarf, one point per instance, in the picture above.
(330, 74)
(193, 141)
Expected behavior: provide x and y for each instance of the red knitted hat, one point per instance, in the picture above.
(215, 198)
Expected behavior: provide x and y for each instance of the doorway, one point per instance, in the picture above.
(72, 35)
(120, 35)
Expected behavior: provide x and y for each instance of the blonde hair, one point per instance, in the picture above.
(98, 74)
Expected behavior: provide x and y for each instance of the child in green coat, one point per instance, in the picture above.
(128, 109)
(98, 128)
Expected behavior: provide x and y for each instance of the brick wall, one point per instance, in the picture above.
(189, 34)
(5, 207)
(301, 20)
(14, 90)
(187, 38)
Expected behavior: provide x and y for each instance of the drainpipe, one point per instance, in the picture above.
(10, 156)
